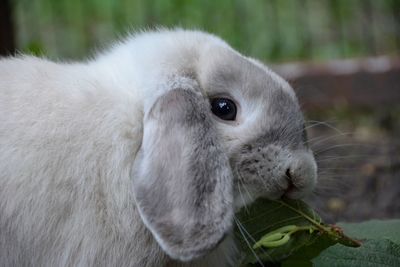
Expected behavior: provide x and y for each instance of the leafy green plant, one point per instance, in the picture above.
(290, 233)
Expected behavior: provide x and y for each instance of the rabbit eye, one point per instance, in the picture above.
(224, 108)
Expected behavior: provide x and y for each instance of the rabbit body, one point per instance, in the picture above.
(70, 136)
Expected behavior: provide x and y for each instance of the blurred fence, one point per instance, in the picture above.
(273, 30)
(369, 83)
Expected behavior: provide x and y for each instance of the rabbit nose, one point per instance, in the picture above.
(300, 176)
(290, 186)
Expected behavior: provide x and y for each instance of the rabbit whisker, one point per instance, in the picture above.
(334, 146)
(244, 229)
(327, 125)
(242, 232)
(336, 169)
(325, 175)
(314, 124)
(321, 139)
(246, 189)
(341, 157)
(241, 196)
(243, 184)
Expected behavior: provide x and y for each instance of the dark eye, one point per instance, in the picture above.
(224, 108)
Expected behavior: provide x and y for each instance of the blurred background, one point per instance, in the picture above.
(341, 56)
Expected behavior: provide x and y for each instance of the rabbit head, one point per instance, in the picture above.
(266, 142)
(219, 130)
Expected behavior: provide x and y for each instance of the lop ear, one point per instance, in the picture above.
(182, 179)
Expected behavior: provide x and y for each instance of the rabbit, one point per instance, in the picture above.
(141, 155)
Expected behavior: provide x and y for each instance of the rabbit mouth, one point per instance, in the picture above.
(287, 173)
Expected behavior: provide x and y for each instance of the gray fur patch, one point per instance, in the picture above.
(183, 181)
(286, 123)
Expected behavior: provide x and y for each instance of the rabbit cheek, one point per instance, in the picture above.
(258, 175)
(272, 172)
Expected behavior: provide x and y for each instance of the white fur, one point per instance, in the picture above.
(69, 134)
(49, 108)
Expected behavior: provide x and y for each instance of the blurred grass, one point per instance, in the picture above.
(271, 30)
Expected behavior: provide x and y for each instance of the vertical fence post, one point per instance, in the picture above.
(7, 44)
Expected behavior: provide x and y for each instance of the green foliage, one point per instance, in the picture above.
(314, 243)
(380, 246)
(374, 229)
(270, 30)
(271, 231)
(34, 48)
(374, 252)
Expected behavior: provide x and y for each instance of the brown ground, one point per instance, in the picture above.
(359, 164)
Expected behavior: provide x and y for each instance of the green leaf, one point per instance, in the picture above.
(304, 256)
(380, 247)
(374, 229)
(264, 217)
(379, 252)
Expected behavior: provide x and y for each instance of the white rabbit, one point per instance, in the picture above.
(140, 156)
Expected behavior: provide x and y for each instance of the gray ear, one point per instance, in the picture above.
(182, 179)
